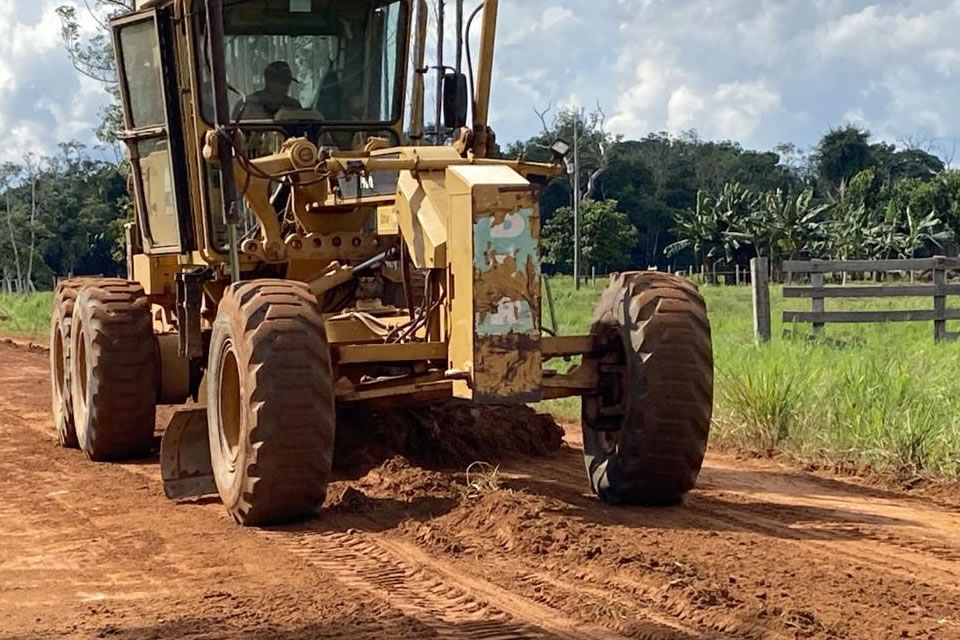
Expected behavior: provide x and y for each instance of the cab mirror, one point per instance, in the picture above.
(454, 100)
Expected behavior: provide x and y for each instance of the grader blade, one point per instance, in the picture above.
(185, 456)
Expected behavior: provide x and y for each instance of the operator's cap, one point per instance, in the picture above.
(279, 70)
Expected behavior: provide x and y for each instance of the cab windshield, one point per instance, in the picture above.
(313, 60)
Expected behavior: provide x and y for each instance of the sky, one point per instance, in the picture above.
(759, 72)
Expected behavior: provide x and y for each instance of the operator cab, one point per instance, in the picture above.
(332, 71)
(328, 69)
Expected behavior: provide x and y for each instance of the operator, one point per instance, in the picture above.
(266, 103)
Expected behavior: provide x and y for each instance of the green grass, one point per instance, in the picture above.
(879, 395)
(882, 395)
(25, 316)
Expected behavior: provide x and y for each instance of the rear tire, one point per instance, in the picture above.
(113, 378)
(644, 443)
(271, 403)
(60, 374)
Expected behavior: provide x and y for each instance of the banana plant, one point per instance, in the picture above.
(919, 231)
(698, 230)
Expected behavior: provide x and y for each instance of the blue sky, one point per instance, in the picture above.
(756, 71)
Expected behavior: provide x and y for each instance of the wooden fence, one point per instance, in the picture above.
(818, 292)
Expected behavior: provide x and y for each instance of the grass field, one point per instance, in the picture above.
(25, 316)
(884, 396)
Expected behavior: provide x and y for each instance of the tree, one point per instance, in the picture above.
(606, 236)
(848, 226)
(10, 174)
(594, 148)
(907, 163)
(841, 154)
(92, 56)
(918, 232)
(741, 221)
(63, 215)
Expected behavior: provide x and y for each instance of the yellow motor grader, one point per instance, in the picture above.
(296, 249)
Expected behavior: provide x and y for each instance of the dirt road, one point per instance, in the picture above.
(95, 551)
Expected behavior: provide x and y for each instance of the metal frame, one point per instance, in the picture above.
(133, 134)
(431, 351)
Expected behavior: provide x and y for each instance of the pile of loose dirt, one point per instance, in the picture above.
(394, 492)
(444, 435)
(397, 478)
(28, 345)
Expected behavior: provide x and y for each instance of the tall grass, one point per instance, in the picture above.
(26, 316)
(880, 395)
(883, 395)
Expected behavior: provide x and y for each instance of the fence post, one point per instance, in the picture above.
(593, 275)
(939, 303)
(816, 281)
(761, 299)
(550, 307)
(737, 266)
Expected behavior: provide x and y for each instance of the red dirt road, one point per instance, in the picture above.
(96, 551)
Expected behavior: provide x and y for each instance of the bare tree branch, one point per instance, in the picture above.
(948, 157)
(543, 118)
(916, 143)
(601, 119)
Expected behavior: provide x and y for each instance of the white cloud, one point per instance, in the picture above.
(555, 17)
(43, 100)
(946, 61)
(874, 31)
(683, 108)
(758, 71)
(739, 109)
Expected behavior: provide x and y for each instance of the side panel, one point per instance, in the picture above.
(495, 293)
(157, 274)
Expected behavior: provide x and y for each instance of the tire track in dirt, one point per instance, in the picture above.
(899, 554)
(452, 605)
(440, 600)
(747, 557)
(436, 594)
(830, 543)
(822, 559)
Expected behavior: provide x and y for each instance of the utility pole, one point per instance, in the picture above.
(440, 72)
(576, 201)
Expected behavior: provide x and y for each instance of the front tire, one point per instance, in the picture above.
(271, 403)
(112, 359)
(644, 444)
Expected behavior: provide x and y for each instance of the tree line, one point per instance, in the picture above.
(667, 200)
(675, 200)
(664, 200)
(62, 214)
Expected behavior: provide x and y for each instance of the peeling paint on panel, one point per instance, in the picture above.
(507, 274)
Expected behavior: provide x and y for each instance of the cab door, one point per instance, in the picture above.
(146, 65)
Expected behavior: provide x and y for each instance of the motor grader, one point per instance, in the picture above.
(298, 247)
